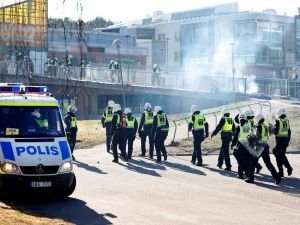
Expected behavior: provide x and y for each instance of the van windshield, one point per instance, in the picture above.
(30, 121)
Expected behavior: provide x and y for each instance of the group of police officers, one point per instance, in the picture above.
(248, 135)
(121, 128)
(250, 142)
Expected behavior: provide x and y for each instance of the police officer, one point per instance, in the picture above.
(159, 132)
(262, 133)
(250, 118)
(282, 134)
(156, 74)
(106, 121)
(144, 130)
(130, 130)
(112, 70)
(116, 133)
(199, 128)
(227, 126)
(71, 127)
(241, 135)
(69, 61)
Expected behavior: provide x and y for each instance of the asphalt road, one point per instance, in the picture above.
(174, 192)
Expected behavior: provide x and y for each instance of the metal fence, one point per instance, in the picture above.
(173, 80)
(213, 117)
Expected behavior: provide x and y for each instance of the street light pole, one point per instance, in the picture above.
(233, 67)
(117, 43)
(167, 54)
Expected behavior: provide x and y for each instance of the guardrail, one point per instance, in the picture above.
(146, 78)
(215, 116)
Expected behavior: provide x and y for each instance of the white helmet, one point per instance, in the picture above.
(127, 111)
(111, 103)
(249, 113)
(72, 109)
(225, 111)
(157, 109)
(117, 107)
(259, 117)
(194, 108)
(280, 112)
(242, 116)
(154, 65)
(147, 106)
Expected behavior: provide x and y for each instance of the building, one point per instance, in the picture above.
(94, 46)
(25, 36)
(297, 36)
(23, 32)
(220, 40)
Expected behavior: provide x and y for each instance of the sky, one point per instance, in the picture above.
(126, 10)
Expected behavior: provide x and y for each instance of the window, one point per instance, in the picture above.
(263, 55)
(176, 56)
(276, 55)
(30, 121)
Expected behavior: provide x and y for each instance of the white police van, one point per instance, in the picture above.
(34, 152)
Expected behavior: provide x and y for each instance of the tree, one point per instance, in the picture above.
(98, 22)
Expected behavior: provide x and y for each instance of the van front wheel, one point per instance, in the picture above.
(66, 192)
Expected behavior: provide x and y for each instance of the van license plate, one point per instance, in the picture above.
(41, 184)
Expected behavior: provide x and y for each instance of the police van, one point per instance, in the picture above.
(34, 152)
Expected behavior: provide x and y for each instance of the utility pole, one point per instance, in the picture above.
(117, 44)
(233, 67)
(167, 54)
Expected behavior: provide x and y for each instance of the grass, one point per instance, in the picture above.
(10, 215)
(210, 145)
(90, 133)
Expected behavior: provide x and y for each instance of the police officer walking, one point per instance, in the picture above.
(227, 126)
(144, 130)
(243, 157)
(71, 127)
(262, 133)
(250, 118)
(117, 133)
(106, 122)
(130, 131)
(282, 134)
(199, 128)
(159, 132)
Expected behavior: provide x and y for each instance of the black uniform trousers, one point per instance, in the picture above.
(266, 158)
(108, 137)
(280, 154)
(198, 138)
(224, 151)
(71, 136)
(159, 141)
(147, 133)
(118, 141)
(129, 139)
(242, 157)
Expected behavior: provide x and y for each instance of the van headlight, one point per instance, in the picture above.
(66, 167)
(10, 168)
